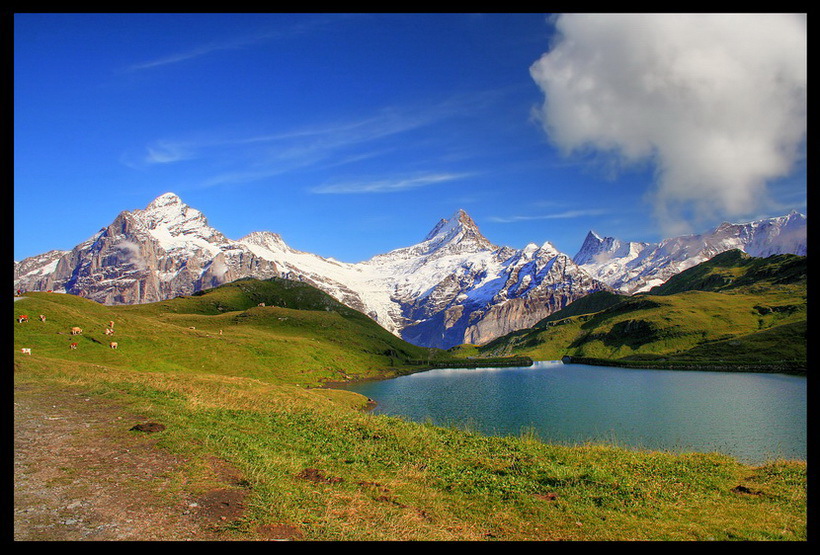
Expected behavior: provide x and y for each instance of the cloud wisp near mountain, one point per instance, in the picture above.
(453, 287)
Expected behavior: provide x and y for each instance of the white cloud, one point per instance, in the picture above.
(251, 157)
(717, 101)
(130, 253)
(386, 185)
(164, 152)
(233, 43)
(554, 216)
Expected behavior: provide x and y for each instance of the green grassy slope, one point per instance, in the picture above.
(313, 461)
(301, 335)
(732, 311)
(735, 270)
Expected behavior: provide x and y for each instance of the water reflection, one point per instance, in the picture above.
(753, 417)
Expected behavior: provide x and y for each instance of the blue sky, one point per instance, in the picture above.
(353, 134)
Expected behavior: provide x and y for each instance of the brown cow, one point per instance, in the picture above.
(76, 331)
(72, 346)
(22, 318)
(113, 344)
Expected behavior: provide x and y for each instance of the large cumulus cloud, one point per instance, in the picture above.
(716, 101)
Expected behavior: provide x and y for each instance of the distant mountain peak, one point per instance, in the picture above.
(632, 267)
(168, 210)
(458, 229)
(164, 200)
(459, 218)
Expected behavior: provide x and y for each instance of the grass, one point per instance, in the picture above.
(316, 461)
(731, 312)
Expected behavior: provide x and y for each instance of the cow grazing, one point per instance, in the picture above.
(109, 331)
(42, 317)
(113, 344)
(25, 351)
(72, 346)
(76, 331)
(22, 318)
(261, 304)
(111, 324)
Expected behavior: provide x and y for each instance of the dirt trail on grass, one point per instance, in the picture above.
(80, 474)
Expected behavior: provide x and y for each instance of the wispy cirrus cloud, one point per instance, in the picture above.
(387, 185)
(163, 152)
(567, 214)
(251, 157)
(234, 43)
(271, 153)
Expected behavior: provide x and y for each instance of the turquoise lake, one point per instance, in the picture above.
(754, 417)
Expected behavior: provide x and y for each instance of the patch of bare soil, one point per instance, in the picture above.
(82, 473)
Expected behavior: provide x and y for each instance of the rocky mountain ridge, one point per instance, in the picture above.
(453, 287)
(632, 267)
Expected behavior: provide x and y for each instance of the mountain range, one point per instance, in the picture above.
(453, 287)
(732, 312)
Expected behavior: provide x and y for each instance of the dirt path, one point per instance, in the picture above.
(80, 474)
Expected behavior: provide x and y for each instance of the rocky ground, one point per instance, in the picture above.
(81, 473)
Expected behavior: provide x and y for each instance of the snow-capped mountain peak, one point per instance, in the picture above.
(175, 225)
(459, 230)
(632, 267)
(266, 239)
(169, 211)
(164, 199)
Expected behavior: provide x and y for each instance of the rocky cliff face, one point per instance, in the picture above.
(453, 287)
(631, 267)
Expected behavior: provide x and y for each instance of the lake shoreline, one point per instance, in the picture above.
(422, 366)
(607, 403)
(792, 369)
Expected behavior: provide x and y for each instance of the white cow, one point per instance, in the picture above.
(26, 351)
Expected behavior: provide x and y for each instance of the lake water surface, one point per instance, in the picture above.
(753, 417)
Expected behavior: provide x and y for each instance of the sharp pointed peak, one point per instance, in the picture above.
(458, 227)
(459, 218)
(592, 241)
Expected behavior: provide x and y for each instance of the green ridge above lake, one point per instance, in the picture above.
(731, 312)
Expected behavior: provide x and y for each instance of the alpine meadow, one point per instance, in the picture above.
(337, 277)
